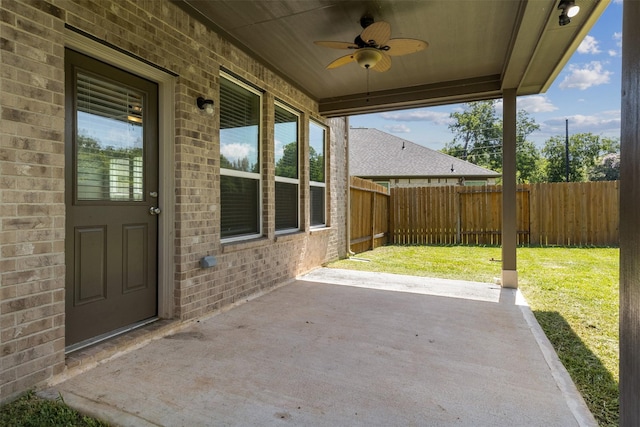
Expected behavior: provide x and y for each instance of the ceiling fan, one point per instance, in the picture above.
(374, 47)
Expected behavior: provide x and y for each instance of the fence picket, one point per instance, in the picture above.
(547, 214)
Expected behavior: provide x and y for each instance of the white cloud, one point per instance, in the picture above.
(617, 36)
(436, 117)
(279, 149)
(605, 122)
(591, 74)
(536, 104)
(589, 45)
(236, 151)
(401, 128)
(531, 104)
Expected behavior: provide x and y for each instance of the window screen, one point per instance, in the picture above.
(239, 160)
(286, 157)
(317, 143)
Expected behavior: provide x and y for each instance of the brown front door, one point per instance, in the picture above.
(111, 195)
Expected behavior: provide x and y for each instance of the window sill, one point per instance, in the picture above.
(244, 244)
(319, 230)
(291, 235)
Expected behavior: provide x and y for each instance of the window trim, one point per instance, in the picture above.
(243, 174)
(316, 183)
(385, 184)
(288, 180)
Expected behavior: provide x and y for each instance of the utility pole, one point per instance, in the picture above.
(566, 149)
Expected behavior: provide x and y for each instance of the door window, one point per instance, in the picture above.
(109, 134)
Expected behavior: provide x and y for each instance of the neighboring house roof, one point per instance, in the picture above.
(374, 153)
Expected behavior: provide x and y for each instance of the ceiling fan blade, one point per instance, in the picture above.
(343, 60)
(384, 64)
(336, 45)
(399, 47)
(378, 32)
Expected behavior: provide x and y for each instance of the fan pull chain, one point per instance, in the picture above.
(367, 83)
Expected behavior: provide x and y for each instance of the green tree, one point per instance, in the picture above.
(529, 163)
(584, 151)
(607, 168)
(316, 166)
(528, 157)
(475, 129)
(287, 166)
(98, 166)
(478, 139)
(242, 164)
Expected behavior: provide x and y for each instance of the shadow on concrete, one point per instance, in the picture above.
(591, 377)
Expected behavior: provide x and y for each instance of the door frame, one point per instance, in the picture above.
(166, 136)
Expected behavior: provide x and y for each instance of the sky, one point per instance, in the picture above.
(586, 92)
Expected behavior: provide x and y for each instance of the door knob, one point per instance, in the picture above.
(154, 210)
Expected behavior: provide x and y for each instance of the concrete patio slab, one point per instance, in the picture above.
(341, 348)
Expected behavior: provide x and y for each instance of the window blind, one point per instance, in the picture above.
(240, 182)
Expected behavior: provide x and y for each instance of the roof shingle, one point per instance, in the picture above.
(374, 153)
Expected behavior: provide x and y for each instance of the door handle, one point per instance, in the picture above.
(154, 210)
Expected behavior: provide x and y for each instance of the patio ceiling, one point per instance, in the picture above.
(477, 47)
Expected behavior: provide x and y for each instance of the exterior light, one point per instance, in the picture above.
(572, 10)
(569, 10)
(205, 104)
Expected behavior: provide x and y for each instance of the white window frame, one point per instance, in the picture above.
(384, 184)
(242, 174)
(290, 180)
(316, 183)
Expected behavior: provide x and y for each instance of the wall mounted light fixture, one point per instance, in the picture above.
(569, 10)
(205, 104)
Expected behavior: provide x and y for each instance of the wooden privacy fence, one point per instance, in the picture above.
(571, 214)
(369, 215)
(568, 214)
(575, 213)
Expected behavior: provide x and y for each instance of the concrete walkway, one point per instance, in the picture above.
(344, 348)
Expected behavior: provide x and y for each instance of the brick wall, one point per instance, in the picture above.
(31, 195)
(32, 166)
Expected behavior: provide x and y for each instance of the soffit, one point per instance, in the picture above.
(477, 47)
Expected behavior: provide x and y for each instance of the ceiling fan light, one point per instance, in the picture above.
(367, 57)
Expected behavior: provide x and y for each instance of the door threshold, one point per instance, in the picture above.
(107, 336)
(93, 352)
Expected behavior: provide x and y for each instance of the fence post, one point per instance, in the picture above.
(458, 205)
(373, 220)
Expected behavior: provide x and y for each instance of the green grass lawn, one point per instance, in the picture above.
(31, 411)
(573, 293)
